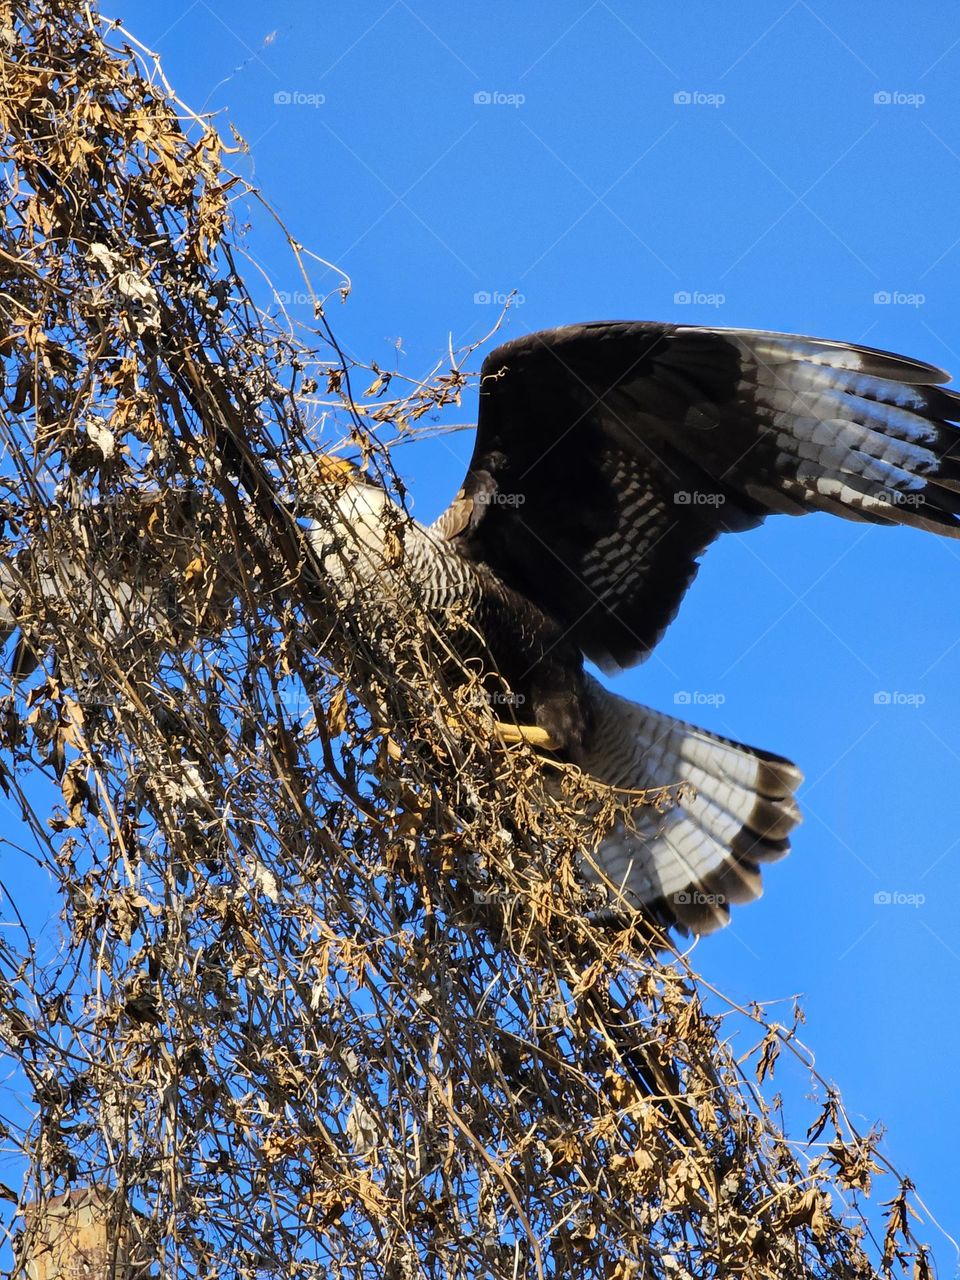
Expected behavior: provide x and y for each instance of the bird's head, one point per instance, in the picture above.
(352, 519)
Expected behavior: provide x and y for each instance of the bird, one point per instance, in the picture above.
(608, 456)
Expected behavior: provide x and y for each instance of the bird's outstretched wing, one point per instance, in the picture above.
(610, 455)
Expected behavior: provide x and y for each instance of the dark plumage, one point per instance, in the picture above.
(608, 457)
(589, 439)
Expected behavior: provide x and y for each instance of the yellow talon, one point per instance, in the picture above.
(512, 734)
(532, 734)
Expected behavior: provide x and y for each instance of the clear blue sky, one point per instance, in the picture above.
(810, 182)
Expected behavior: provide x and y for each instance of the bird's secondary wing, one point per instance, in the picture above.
(610, 455)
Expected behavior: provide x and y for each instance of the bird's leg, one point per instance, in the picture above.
(512, 734)
(532, 734)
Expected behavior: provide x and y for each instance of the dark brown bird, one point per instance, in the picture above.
(608, 457)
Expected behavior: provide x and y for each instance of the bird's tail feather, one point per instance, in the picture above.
(687, 863)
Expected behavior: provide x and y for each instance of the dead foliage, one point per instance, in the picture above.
(327, 1000)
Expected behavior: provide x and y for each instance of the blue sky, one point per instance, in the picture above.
(781, 166)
